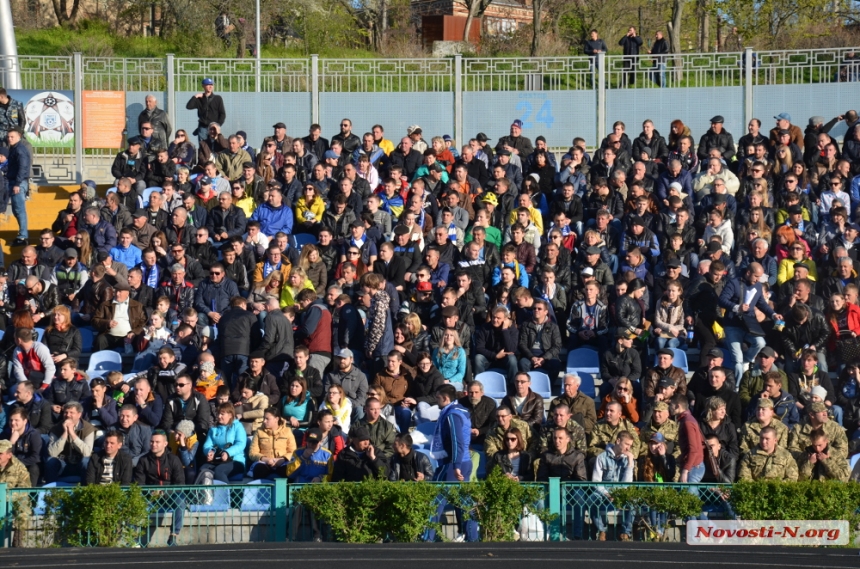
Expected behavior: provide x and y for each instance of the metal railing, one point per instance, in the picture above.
(586, 511)
(268, 512)
(467, 79)
(196, 515)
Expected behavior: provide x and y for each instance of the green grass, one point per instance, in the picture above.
(94, 39)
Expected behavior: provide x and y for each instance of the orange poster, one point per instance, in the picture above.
(104, 118)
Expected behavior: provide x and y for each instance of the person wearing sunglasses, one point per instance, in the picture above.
(213, 295)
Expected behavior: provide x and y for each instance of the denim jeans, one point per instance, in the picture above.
(599, 512)
(19, 209)
(232, 367)
(735, 337)
(695, 475)
(403, 417)
(445, 473)
(668, 343)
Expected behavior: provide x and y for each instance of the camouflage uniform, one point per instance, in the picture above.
(798, 439)
(749, 435)
(11, 117)
(495, 439)
(605, 434)
(670, 432)
(756, 465)
(830, 469)
(574, 429)
(15, 475)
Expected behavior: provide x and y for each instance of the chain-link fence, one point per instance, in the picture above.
(588, 512)
(180, 515)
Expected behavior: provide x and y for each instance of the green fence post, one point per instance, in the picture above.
(555, 508)
(279, 502)
(5, 517)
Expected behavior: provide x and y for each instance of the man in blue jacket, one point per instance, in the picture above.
(18, 175)
(451, 440)
(213, 295)
(273, 215)
(739, 299)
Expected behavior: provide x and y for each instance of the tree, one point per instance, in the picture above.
(476, 9)
(537, 32)
(61, 10)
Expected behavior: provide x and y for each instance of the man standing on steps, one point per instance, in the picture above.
(18, 176)
(209, 107)
(11, 116)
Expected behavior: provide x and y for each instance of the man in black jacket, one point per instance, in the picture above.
(475, 168)
(540, 343)
(238, 330)
(622, 360)
(719, 387)
(630, 44)
(496, 344)
(209, 107)
(481, 411)
(278, 340)
(38, 408)
(408, 464)
(160, 467)
(187, 403)
(131, 164)
(358, 460)
(406, 157)
(110, 465)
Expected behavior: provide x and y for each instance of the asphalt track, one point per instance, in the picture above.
(437, 556)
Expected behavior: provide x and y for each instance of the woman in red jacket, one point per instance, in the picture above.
(844, 319)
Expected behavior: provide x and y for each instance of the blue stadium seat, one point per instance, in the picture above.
(583, 359)
(494, 384)
(148, 192)
(587, 381)
(541, 384)
(104, 361)
(299, 240)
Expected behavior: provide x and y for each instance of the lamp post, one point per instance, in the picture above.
(10, 72)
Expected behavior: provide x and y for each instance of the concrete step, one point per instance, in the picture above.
(42, 209)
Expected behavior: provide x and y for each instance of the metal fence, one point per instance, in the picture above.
(269, 512)
(557, 97)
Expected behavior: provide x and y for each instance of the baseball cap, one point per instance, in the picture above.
(767, 352)
(517, 123)
(424, 286)
(714, 246)
(357, 223)
(248, 165)
(637, 220)
(816, 120)
(208, 81)
(359, 434)
(504, 152)
(665, 382)
(588, 271)
(413, 129)
(661, 406)
(783, 117)
(313, 436)
(447, 137)
(673, 263)
(330, 155)
(205, 181)
(622, 333)
(102, 256)
(135, 140)
(343, 353)
(795, 210)
(765, 403)
(71, 253)
(658, 438)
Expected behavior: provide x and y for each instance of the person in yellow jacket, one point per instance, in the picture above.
(309, 210)
(296, 283)
(272, 447)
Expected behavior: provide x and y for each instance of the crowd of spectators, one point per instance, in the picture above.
(298, 309)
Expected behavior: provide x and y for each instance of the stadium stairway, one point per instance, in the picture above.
(42, 210)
